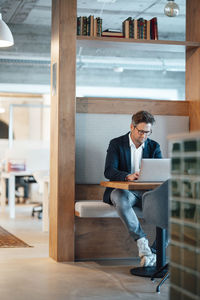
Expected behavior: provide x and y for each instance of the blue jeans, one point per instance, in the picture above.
(124, 201)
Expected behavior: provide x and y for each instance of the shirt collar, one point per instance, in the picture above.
(131, 144)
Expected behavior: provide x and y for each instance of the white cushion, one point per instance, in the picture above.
(94, 209)
(98, 209)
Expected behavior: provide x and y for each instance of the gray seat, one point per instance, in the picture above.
(155, 207)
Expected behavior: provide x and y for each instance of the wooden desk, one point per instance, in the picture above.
(131, 185)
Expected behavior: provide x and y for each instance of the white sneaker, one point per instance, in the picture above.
(143, 247)
(148, 259)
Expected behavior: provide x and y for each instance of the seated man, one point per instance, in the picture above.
(123, 160)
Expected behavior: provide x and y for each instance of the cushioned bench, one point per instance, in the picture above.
(98, 209)
(99, 232)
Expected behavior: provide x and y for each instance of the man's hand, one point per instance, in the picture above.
(132, 177)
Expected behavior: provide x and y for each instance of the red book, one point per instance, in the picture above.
(154, 28)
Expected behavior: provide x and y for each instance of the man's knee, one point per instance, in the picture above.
(119, 197)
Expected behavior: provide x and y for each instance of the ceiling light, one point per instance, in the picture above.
(171, 9)
(6, 38)
(118, 69)
(2, 110)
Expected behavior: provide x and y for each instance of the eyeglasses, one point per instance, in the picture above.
(141, 132)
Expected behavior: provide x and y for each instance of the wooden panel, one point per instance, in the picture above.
(195, 115)
(62, 165)
(89, 192)
(144, 45)
(128, 106)
(193, 63)
(105, 238)
(21, 95)
(192, 20)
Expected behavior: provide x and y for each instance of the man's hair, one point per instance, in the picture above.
(142, 117)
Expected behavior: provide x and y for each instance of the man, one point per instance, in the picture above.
(123, 160)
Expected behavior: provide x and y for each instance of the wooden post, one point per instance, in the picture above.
(192, 80)
(62, 162)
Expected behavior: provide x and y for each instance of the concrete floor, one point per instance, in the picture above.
(29, 274)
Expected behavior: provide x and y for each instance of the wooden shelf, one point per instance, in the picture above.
(147, 45)
(126, 106)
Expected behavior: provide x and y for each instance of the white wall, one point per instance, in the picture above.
(94, 131)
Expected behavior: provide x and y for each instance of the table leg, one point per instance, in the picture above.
(11, 196)
(45, 214)
(3, 193)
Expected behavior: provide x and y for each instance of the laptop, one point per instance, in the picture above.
(155, 170)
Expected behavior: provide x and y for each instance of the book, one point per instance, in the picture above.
(112, 33)
(125, 27)
(148, 29)
(141, 28)
(95, 27)
(90, 30)
(135, 29)
(154, 28)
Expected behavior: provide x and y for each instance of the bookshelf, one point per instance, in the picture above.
(151, 45)
(192, 48)
(109, 105)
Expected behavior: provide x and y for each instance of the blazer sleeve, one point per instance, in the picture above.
(112, 163)
(157, 153)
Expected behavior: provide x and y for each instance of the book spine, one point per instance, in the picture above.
(148, 30)
(152, 29)
(140, 28)
(131, 29)
(126, 29)
(99, 26)
(84, 26)
(81, 31)
(88, 26)
(135, 29)
(95, 27)
(78, 29)
(91, 25)
(156, 28)
(145, 30)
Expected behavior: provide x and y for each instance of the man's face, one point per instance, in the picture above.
(140, 132)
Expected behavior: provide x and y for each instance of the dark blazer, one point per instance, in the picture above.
(118, 160)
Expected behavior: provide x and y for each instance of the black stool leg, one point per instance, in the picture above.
(161, 282)
(160, 270)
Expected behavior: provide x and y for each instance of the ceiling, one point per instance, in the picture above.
(100, 71)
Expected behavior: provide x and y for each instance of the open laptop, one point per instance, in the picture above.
(154, 170)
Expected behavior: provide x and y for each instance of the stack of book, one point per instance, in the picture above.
(89, 26)
(140, 28)
(112, 33)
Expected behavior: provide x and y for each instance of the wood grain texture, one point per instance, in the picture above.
(129, 106)
(62, 164)
(21, 95)
(192, 81)
(144, 45)
(132, 186)
(89, 192)
(192, 21)
(105, 238)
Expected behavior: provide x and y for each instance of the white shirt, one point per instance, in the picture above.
(136, 156)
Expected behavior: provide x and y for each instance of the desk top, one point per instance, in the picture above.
(16, 173)
(130, 185)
